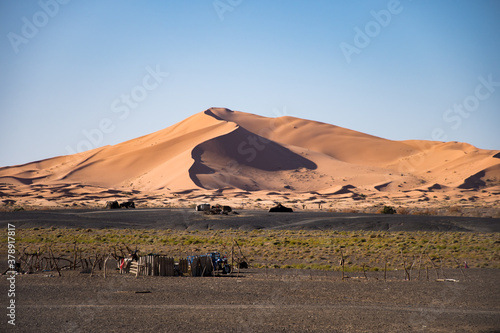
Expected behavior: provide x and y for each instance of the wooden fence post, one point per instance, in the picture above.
(342, 261)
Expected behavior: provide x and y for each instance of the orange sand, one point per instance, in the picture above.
(239, 158)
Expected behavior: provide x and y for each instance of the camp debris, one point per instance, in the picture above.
(206, 265)
(203, 207)
(158, 265)
(214, 210)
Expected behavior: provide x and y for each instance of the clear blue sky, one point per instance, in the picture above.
(399, 70)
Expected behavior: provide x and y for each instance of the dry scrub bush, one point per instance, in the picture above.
(404, 210)
(455, 210)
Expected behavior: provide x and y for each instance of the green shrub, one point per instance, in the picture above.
(388, 210)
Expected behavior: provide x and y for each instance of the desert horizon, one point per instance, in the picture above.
(251, 161)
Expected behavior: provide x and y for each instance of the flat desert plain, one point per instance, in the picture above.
(256, 299)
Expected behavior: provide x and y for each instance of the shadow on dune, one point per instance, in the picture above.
(474, 181)
(21, 180)
(198, 167)
(240, 150)
(211, 114)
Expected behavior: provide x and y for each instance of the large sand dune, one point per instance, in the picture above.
(248, 156)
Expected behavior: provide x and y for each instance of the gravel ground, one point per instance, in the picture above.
(256, 300)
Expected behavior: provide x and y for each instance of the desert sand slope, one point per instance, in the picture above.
(337, 142)
(220, 148)
(149, 162)
(342, 155)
